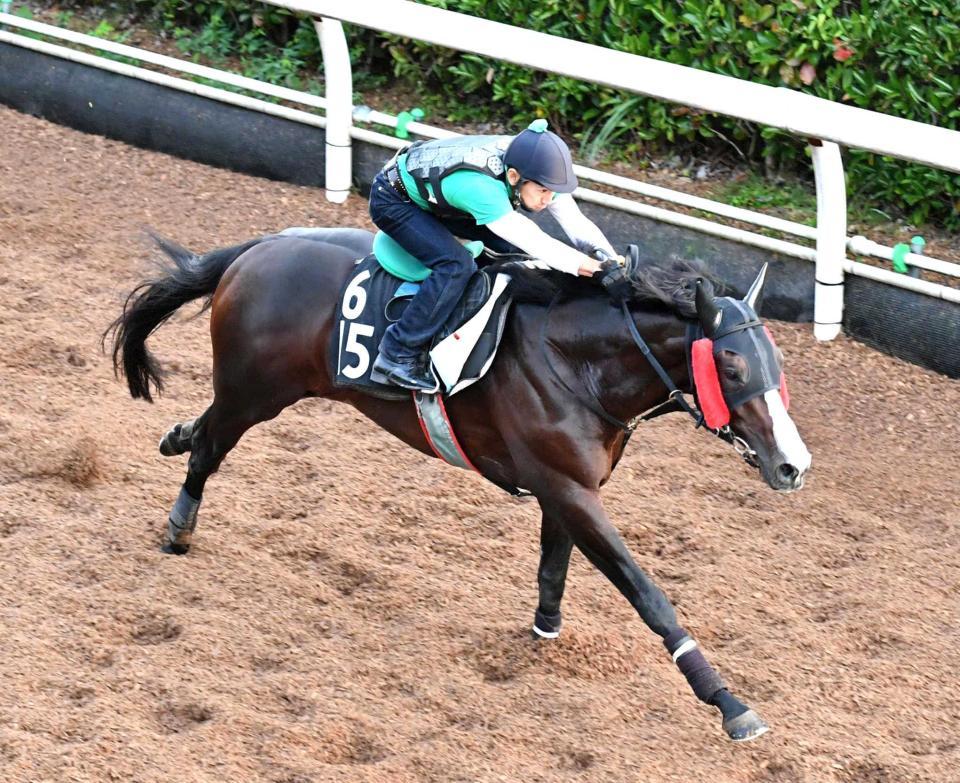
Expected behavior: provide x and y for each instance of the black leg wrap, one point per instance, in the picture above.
(728, 704)
(701, 676)
(675, 639)
(546, 626)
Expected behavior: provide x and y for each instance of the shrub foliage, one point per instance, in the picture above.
(898, 57)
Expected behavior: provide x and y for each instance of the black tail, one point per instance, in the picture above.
(154, 301)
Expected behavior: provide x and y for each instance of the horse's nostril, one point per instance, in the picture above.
(787, 473)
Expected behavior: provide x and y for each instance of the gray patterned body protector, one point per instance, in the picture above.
(431, 161)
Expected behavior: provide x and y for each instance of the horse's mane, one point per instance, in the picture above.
(672, 284)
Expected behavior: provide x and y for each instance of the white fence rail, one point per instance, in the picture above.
(803, 115)
(826, 124)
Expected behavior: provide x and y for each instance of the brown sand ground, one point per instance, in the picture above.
(354, 611)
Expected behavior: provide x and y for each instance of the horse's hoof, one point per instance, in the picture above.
(745, 727)
(170, 548)
(546, 626)
(538, 634)
(167, 446)
(177, 440)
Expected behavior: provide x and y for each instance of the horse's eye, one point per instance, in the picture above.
(731, 373)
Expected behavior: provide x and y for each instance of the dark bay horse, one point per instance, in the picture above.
(550, 416)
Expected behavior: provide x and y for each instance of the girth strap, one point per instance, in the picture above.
(438, 431)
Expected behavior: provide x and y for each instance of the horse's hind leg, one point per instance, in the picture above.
(555, 546)
(212, 436)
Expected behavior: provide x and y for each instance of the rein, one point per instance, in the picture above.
(675, 401)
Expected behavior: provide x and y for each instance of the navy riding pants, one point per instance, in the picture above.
(431, 240)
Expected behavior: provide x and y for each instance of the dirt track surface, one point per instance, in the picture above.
(354, 611)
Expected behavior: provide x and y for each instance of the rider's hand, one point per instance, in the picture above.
(614, 278)
(589, 267)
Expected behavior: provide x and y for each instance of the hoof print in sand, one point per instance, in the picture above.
(585, 656)
(349, 578)
(293, 777)
(177, 718)
(295, 706)
(343, 576)
(10, 525)
(578, 760)
(778, 772)
(350, 745)
(80, 697)
(155, 629)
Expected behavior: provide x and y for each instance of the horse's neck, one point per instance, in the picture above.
(625, 380)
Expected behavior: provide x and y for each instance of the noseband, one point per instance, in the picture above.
(676, 400)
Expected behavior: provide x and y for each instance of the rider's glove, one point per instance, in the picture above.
(613, 277)
(598, 253)
(586, 247)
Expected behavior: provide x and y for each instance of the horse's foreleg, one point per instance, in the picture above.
(555, 546)
(587, 524)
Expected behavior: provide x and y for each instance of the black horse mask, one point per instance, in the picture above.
(732, 325)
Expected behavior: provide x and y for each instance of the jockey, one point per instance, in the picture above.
(471, 187)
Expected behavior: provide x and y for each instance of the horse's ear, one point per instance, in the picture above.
(754, 292)
(707, 310)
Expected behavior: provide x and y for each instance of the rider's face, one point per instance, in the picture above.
(533, 195)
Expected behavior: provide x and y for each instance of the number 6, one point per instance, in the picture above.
(355, 297)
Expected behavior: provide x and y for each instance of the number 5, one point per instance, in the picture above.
(357, 348)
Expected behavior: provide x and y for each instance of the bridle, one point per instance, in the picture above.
(675, 399)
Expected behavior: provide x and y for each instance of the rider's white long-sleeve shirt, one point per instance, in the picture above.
(519, 230)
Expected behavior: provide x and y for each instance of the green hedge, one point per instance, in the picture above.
(899, 57)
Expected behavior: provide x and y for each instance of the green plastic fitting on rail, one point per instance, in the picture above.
(404, 118)
(917, 244)
(900, 251)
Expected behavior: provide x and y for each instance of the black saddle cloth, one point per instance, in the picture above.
(371, 300)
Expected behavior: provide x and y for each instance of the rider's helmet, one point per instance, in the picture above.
(542, 156)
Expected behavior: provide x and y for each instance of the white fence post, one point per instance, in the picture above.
(831, 238)
(338, 77)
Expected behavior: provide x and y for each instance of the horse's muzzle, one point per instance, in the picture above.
(783, 477)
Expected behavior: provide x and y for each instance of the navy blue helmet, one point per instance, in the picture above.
(542, 156)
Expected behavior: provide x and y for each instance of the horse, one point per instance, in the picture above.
(553, 414)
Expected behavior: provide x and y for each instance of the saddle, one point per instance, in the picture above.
(376, 294)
